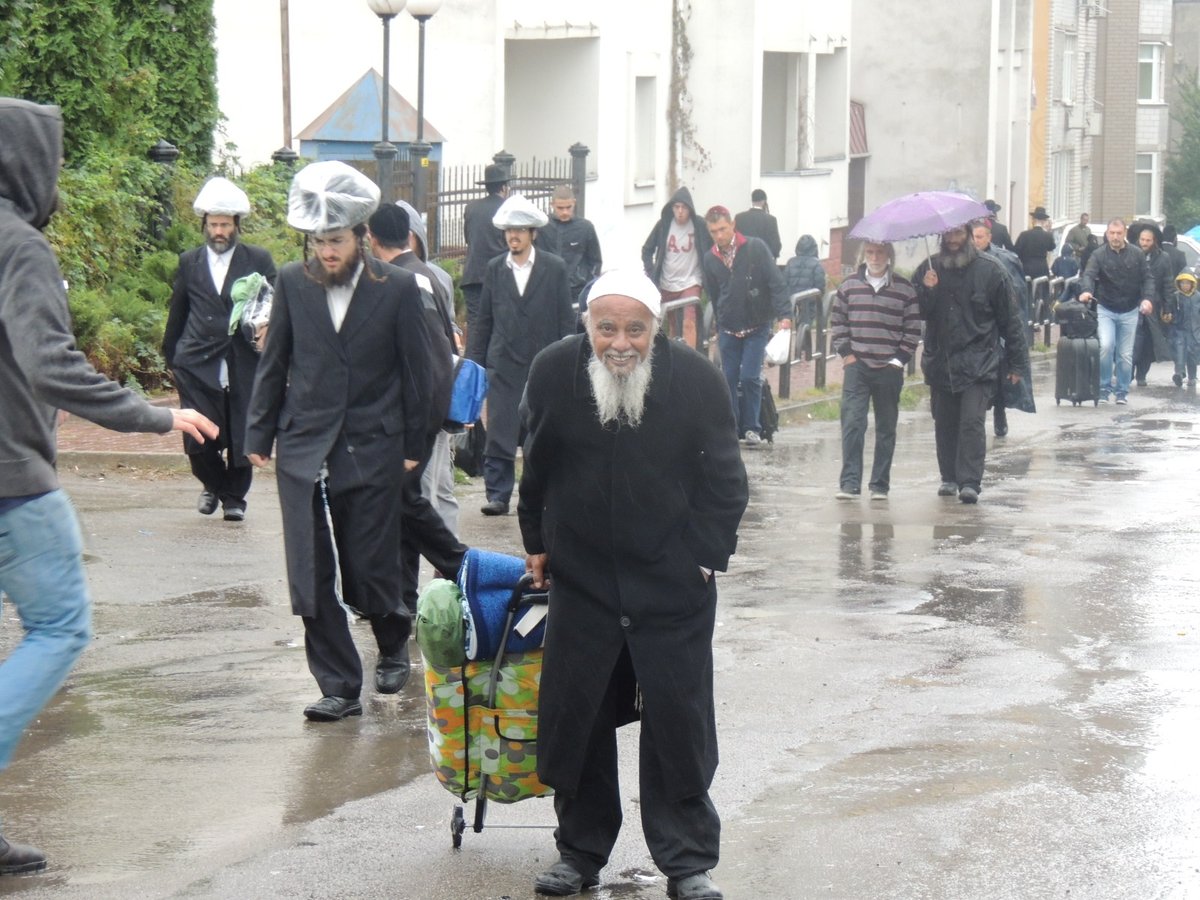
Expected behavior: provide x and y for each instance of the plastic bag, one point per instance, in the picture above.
(252, 295)
(779, 348)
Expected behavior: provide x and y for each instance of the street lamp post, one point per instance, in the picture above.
(422, 11)
(385, 150)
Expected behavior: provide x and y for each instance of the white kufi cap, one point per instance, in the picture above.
(518, 212)
(330, 195)
(221, 197)
(631, 283)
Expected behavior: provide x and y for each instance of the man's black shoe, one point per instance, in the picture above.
(234, 513)
(563, 880)
(391, 672)
(331, 709)
(18, 858)
(207, 504)
(494, 508)
(1001, 429)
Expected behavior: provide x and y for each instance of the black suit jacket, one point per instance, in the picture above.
(484, 240)
(759, 223)
(196, 339)
(356, 400)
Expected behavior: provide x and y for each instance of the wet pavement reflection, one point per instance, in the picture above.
(915, 698)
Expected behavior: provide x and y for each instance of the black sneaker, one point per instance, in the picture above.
(16, 859)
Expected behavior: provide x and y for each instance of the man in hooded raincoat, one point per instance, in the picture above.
(673, 257)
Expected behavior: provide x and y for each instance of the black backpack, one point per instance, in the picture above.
(768, 415)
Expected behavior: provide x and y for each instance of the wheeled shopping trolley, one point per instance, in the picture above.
(483, 721)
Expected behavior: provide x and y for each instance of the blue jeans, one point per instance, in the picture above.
(1116, 332)
(742, 362)
(41, 572)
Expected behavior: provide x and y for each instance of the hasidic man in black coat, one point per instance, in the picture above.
(758, 222)
(213, 369)
(483, 243)
(525, 306)
(342, 394)
(631, 495)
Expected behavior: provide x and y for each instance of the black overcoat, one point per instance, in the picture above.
(355, 399)
(627, 517)
(510, 331)
(196, 338)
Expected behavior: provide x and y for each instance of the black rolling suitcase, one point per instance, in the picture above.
(1077, 375)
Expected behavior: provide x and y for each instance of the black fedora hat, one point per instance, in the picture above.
(1039, 213)
(494, 174)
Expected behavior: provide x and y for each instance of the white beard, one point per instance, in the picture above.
(620, 399)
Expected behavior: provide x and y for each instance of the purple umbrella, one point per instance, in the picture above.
(917, 215)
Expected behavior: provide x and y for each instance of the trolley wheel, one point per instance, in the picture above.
(458, 824)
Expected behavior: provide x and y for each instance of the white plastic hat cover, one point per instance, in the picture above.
(330, 195)
(518, 212)
(221, 197)
(631, 283)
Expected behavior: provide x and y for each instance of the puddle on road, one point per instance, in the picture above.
(239, 596)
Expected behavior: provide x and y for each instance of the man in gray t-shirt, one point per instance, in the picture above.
(671, 257)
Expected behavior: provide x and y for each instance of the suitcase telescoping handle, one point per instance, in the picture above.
(521, 594)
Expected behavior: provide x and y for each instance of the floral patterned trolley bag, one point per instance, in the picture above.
(481, 645)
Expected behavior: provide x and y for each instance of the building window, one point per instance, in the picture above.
(1150, 73)
(1145, 191)
(784, 114)
(1062, 167)
(644, 151)
(1067, 72)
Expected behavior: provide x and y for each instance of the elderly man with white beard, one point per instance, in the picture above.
(631, 495)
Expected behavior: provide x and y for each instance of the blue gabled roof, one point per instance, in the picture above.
(355, 116)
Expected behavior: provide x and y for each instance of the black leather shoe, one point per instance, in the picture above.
(391, 672)
(207, 504)
(494, 508)
(563, 880)
(234, 513)
(694, 887)
(18, 858)
(1001, 429)
(331, 709)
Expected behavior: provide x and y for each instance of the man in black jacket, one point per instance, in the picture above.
(214, 367)
(968, 307)
(1150, 343)
(747, 289)
(422, 531)
(1118, 277)
(573, 238)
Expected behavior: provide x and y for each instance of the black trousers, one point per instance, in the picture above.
(424, 533)
(683, 836)
(214, 467)
(370, 581)
(960, 429)
(880, 387)
(471, 297)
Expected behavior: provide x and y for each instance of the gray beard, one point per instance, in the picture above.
(960, 260)
(620, 399)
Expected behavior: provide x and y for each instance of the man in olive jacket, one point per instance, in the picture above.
(631, 495)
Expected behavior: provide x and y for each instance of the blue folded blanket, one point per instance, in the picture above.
(487, 580)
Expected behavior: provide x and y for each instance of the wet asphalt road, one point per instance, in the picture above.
(919, 700)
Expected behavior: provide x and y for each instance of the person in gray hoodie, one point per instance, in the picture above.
(41, 373)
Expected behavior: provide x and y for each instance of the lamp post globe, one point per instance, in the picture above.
(386, 8)
(423, 9)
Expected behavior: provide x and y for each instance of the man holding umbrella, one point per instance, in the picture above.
(968, 307)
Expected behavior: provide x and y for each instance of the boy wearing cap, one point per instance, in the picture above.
(342, 395)
(213, 369)
(525, 305)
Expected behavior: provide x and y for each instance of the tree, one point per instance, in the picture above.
(176, 42)
(1181, 184)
